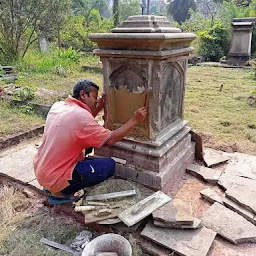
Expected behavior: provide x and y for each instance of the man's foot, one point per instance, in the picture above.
(63, 200)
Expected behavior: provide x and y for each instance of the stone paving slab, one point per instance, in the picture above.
(231, 181)
(229, 224)
(213, 157)
(211, 196)
(238, 209)
(242, 165)
(210, 175)
(195, 242)
(19, 164)
(176, 212)
(243, 196)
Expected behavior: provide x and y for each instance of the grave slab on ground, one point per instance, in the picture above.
(211, 196)
(19, 164)
(242, 165)
(176, 212)
(238, 209)
(229, 224)
(213, 157)
(195, 242)
(210, 175)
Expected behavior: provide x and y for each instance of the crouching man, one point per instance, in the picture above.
(60, 165)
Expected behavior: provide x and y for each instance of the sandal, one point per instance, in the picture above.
(64, 200)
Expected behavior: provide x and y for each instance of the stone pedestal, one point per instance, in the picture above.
(144, 64)
(240, 49)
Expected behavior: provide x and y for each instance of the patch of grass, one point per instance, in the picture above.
(223, 116)
(22, 227)
(14, 120)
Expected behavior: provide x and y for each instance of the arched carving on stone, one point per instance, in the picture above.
(129, 77)
(171, 101)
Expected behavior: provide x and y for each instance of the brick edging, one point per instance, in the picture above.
(17, 138)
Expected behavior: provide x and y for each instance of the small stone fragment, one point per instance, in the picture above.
(210, 175)
(175, 212)
(211, 196)
(196, 224)
(229, 224)
(213, 157)
(239, 209)
(103, 212)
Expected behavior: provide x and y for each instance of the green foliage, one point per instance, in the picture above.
(78, 28)
(1, 71)
(213, 42)
(24, 93)
(58, 61)
(22, 22)
(179, 9)
(129, 8)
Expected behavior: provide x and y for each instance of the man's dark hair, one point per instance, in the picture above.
(85, 85)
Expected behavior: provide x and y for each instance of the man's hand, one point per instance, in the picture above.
(139, 115)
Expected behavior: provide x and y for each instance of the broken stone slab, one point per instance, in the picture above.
(210, 175)
(176, 212)
(243, 196)
(197, 223)
(231, 181)
(213, 157)
(229, 224)
(242, 165)
(211, 196)
(239, 209)
(195, 242)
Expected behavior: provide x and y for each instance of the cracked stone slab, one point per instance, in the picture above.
(210, 175)
(243, 196)
(193, 242)
(211, 196)
(229, 224)
(242, 165)
(176, 212)
(213, 157)
(238, 209)
(197, 223)
(231, 181)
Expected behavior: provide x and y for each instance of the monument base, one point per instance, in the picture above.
(157, 167)
(236, 60)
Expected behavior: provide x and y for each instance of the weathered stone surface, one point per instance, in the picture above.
(229, 224)
(231, 181)
(210, 175)
(197, 223)
(19, 164)
(239, 209)
(243, 196)
(175, 212)
(242, 165)
(213, 157)
(195, 242)
(211, 196)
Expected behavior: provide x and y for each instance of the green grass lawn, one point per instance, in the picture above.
(222, 117)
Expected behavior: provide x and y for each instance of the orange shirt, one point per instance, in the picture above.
(70, 128)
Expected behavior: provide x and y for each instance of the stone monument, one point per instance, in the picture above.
(240, 49)
(144, 64)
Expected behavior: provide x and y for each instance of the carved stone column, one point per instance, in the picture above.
(144, 64)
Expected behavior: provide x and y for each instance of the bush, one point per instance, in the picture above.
(213, 42)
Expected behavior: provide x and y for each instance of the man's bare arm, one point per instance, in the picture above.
(118, 134)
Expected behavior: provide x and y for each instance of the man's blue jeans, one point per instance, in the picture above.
(89, 173)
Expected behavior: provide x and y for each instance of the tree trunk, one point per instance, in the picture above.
(116, 12)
